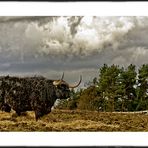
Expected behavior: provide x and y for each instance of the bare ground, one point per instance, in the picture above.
(65, 120)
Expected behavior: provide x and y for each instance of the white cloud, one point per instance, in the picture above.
(39, 44)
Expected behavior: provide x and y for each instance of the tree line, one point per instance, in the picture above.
(115, 89)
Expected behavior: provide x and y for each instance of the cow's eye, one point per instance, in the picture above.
(58, 87)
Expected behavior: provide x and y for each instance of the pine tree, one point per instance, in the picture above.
(142, 89)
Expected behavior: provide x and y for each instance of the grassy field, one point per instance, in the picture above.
(65, 120)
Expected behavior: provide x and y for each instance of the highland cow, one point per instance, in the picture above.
(36, 94)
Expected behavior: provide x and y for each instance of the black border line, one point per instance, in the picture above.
(74, 0)
(116, 146)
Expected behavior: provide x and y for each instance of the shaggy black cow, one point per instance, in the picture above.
(36, 94)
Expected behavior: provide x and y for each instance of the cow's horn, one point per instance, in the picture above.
(62, 76)
(58, 82)
(74, 86)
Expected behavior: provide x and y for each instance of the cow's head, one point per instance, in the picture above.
(63, 88)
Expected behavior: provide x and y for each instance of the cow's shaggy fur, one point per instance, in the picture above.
(36, 94)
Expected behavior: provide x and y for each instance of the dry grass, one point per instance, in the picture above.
(65, 120)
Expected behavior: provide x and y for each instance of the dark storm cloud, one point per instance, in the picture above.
(39, 19)
(73, 22)
(76, 45)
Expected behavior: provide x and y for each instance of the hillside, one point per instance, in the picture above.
(65, 120)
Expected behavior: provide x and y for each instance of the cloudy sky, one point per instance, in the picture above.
(75, 45)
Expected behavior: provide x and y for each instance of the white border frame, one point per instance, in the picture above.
(73, 138)
(73, 8)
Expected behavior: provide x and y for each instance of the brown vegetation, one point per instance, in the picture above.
(65, 120)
